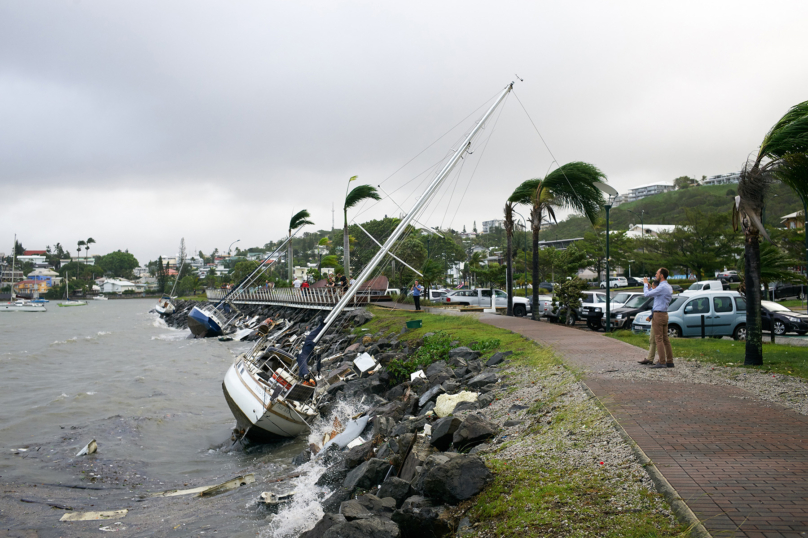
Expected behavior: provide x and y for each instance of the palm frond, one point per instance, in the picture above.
(788, 135)
(301, 218)
(793, 171)
(573, 187)
(359, 193)
(524, 193)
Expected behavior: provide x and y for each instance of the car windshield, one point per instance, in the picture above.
(695, 287)
(674, 306)
(635, 302)
(621, 297)
(598, 298)
(774, 307)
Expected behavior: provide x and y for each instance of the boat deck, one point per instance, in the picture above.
(311, 298)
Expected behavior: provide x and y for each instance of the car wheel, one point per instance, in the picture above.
(593, 326)
(779, 328)
(740, 332)
(519, 310)
(674, 331)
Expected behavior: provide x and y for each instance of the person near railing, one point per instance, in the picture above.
(304, 289)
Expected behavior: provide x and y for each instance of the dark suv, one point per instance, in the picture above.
(623, 317)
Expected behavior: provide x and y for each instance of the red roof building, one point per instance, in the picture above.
(35, 253)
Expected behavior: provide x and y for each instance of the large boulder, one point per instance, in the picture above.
(358, 454)
(334, 475)
(446, 402)
(497, 358)
(431, 395)
(353, 510)
(382, 426)
(420, 451)
(367, 475)
(409, 425)
(375, 527)
(473, 431)
(421, 523)
(464, 353)
(451, 386)
(332, 503)
(466, 406)
(328, 521)
(458, 479)
(383, 507)
(395, 488)
(443, 432)
(480, 380)
(485, 400)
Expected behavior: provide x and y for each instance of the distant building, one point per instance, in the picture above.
(33, 258)
(117, 285)
(793, 221)
(31, 287)
(490, 225)
(723, 179)
(35, 253)
(637, 231)
(48, 275)
(559, 244)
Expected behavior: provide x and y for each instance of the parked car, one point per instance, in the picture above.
(549, 286)
(782, 319)
(704, 285)
(615, 282)
(632, 282)
(723, 313)
(623, 317)
(620, 299)
(482, 297)
(594, 301)
(432, 294)
(676, 288)
(729, 276)
(782, 290)
(545, 304)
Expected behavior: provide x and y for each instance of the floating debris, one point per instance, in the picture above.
(90, 448)
(94, 516)
(209, 491)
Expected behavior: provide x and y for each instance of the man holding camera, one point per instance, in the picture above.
(659, 324)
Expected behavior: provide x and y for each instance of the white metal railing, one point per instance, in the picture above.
(320, 298)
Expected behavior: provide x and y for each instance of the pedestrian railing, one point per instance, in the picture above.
(314, 298)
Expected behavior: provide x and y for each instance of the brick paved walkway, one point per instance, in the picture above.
(740, 463)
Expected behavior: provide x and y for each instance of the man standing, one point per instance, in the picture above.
(416, 295)
(659, 324)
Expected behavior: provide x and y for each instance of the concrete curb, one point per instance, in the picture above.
(679, 507)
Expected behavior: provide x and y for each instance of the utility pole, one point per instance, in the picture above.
(332, 216)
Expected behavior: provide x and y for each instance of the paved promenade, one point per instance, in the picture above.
(740, 464)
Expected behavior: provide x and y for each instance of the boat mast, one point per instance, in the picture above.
(13, 266)
(419, 204)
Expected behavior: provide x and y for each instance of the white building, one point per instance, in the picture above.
(723, 179)
(489, 225)
(33, 258)
(116, 285)
(637, 231)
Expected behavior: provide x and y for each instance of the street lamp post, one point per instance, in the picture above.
(612, 194)
(231, 246)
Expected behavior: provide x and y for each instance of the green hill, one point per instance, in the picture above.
(668, 208)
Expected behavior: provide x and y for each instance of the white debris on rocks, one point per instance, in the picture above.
(782, 389)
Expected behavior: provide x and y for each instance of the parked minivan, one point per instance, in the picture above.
(723, 313)
(704, 285)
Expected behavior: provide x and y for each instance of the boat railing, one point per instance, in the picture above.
(319, 298)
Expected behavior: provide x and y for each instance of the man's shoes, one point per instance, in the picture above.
(657, 365)
(646, 361)
(669, 365)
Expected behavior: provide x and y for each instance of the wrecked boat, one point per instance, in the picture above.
(271, 391)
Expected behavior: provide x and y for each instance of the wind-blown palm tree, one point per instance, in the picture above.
(359, 193)
(87, 248)
(78, 250)
(301, 218)
(571, 186)
(509, 253)
(324, 242)
(782, 154)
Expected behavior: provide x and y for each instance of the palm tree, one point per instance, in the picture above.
(782, 154)
(87, 248)
(78, 250)
(301, 218)
(571, 186)
(509, 253)
(475, 264)
(324, 242)
(362, 192)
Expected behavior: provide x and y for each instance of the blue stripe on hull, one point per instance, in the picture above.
(203, 325)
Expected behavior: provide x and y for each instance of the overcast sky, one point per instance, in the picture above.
(141, 122)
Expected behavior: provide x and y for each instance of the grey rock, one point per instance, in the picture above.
(473, 431)
(396, 488)
(383, 507)
(375, 527)
(385, 358)
(353, 510)
(335, 388)
(516, 408)
(443, 432)
(498, 358)
(479, 448)
(302, 458)
(491, 387)
(405, 442)
(333, 475)
(484, 400)
(358, 454)
(512, 423)
(426, 409)
(431, 395)
(464, 353)
(328, 521)
(457, 362)
(397, 392)
(382, 426)
(436, 368)
(458, 479)
(440, 378)
(422, 523)
(465, 406)
(451, 386)
(384, 452)
(408, 425)
(475, 366)
(420, 451)
(416, 501)
(333, 502)
(367, 475)
(482, 379)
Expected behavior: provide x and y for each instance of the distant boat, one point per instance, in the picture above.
(22, 306)
(165, 305)
(100, 298)
(40, 301)
(67, 301)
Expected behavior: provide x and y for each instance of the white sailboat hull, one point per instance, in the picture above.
(261, 419)
(22, 307)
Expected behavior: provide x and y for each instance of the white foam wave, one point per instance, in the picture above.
(173, 336)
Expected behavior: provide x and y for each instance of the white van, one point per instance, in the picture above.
(704, 285)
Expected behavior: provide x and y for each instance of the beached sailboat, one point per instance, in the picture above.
(269, 390)
(165, 304)
(67, 301)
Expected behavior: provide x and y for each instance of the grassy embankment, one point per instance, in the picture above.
(539, 491)
(777, 358)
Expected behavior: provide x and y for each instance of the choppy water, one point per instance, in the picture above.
(152, 398)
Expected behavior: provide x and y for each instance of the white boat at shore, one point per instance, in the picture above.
(22, 306)
(67, 301)
(100, 298)
(269, 389)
